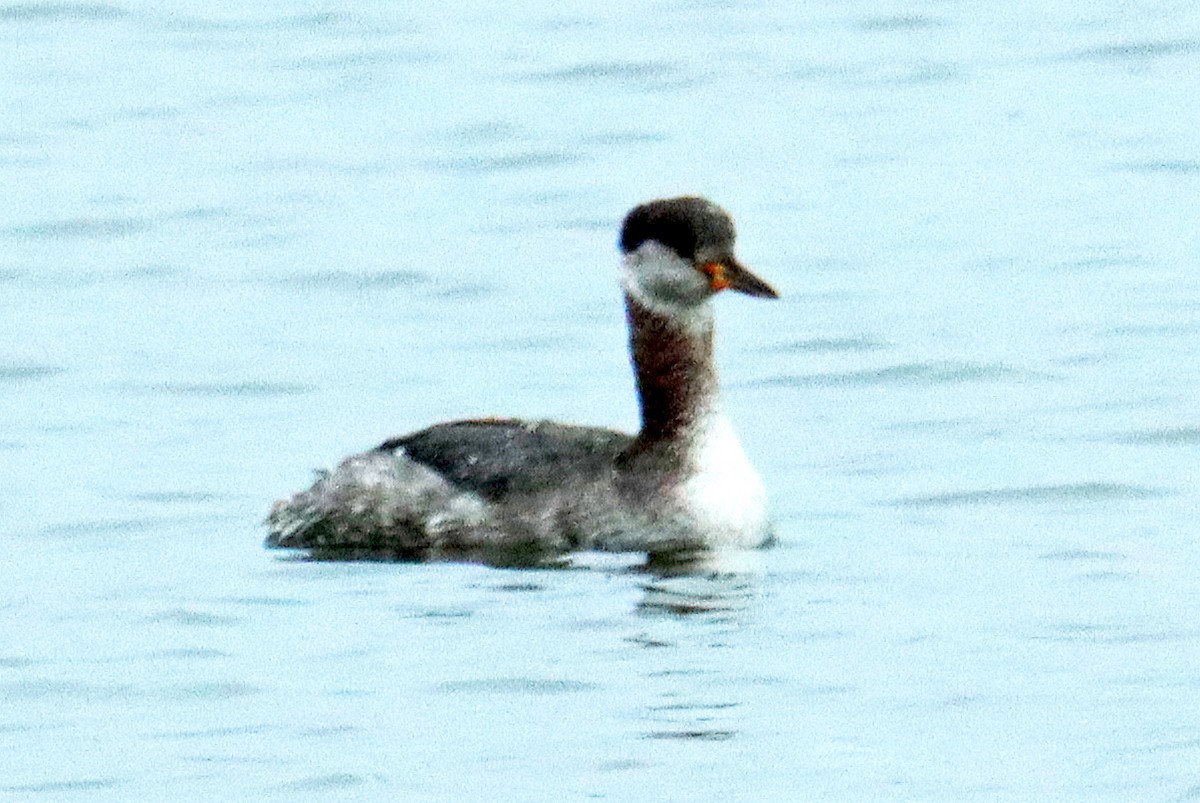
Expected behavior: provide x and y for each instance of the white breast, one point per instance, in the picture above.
(725, 495)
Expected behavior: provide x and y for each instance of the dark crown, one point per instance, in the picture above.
(686, 225)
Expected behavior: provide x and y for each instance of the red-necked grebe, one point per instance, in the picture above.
(483, 487)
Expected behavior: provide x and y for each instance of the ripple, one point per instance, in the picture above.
(213, 691)
(1156, 637)
(367, 58)
(75, 277)
(320, 19)
(646, 642)
(586, 224)
(209, 733)
(1150, 49)
(1150, 330)
(831, 345)
(694, 706)
(533, 686)
(621, 138)
(898, 22)
(32, 12)
(324, 783)
(150, 112)
(267, 602)
(339, 167)
(464, 292)
(174, 497)
(684, 595)
(252, 389)
(82, 228)
(520, 588)
(446, 613)
(917, 373)
(489, 132)
(527, 160)
(628, 72)
(1033, 494)
(24, 372)
(189, 618)
(79, 785)
(1081, 555)
(284, 23)
(217, 213)
(348, 280)
(1167, 436)
(188, 654)
(1181, 167)
(695, 735)
(42, 688)
(1078, 632)
(104, 526)
(926, 73)
(1101, 262)
(95, 692)
(16, 662)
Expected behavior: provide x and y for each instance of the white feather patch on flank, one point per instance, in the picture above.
(725, 494)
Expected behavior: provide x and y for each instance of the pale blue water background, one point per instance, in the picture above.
(240, 240)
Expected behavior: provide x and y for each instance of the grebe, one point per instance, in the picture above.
(490, 487)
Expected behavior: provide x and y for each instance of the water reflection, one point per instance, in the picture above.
(531, 557)
(713, 583)
(692, 614)
(667, 652)
(676, 585)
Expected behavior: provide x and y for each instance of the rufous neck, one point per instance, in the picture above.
(673, 364)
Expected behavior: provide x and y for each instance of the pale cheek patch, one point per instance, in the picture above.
(660, 281)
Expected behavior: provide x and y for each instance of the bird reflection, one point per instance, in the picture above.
(707, 583)
(720, 582)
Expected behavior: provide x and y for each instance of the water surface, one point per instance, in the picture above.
(239, 242)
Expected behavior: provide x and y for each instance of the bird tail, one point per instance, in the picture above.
(378, 501)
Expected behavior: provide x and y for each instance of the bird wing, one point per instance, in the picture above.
(498, 457)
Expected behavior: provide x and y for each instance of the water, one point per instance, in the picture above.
(239, 242)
